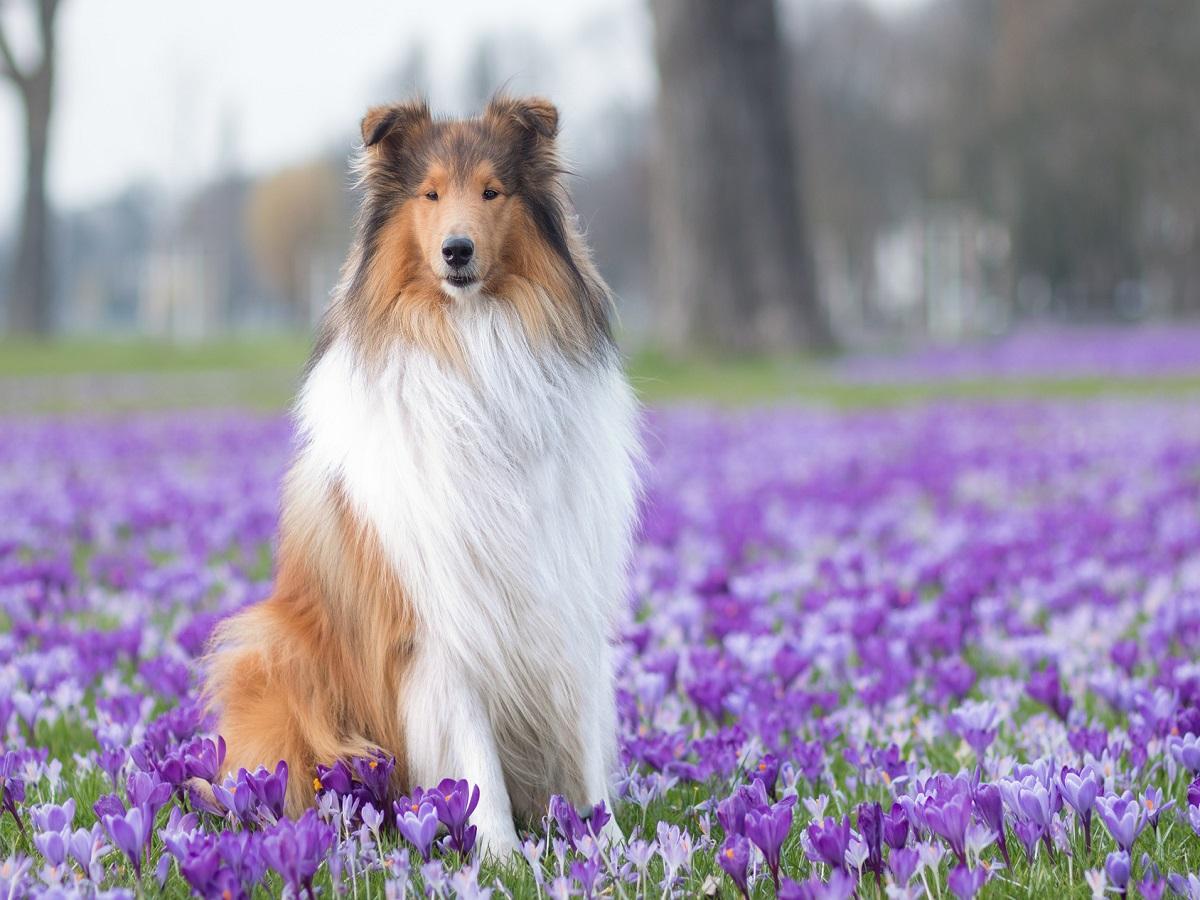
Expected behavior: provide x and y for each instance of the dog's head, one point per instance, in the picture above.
(472, 190)
(471, 208)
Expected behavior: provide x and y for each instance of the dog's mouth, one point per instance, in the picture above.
(460, 280)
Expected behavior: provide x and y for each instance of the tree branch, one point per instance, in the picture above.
(47, 10)
(8, 63)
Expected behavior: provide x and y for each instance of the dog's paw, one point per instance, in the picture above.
(200, 795)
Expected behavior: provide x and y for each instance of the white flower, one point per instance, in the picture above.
(930, 855)
(979, 837)
(1097, 881)
(856, 853)
(914, 891)
(816, 805)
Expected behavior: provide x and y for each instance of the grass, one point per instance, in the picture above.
(262, 373)
(96, 356)
(733, 382)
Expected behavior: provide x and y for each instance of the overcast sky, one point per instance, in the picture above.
(168, 92)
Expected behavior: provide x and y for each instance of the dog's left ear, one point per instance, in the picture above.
(536, 117)
(394, 123)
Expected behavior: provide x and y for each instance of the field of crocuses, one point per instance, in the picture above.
(1162, 350)
(936, 651)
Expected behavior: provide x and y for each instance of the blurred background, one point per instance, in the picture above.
(805, 186)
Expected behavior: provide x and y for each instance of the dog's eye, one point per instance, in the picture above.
(431, 195)
(489, 194)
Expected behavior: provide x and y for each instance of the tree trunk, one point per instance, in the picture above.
(31, 300)
(733, 264)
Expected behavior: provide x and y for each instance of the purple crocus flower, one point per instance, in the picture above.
(108, 805)
(895, 827)
(598, 818)
(1046, 687)
(1186, 886)
(53, 817)
(840, 886)
(788, 663)
(731, 812)
(1193, 793)
(52, 846)
(766, 771)
(1080, 790)
(989, 805)
(975, 723)
(1117, 868)
(375, 774)
(1153, 885)
(564, 814)
(1084, 740)
(12, 788)
(419, 828)
(965, 883)
(829, 841)
(1028, 833)
(204, 758)
(1033, 801)
(1038, 801)
(1152, 802)
(676, 849)
(1186, 751)
(147, 790)
(237, 796)
(949, 818)
(112, 760)
(1123, 817)
(870, 826)
(88, 849)
(130, 834)
(903, 864)
(585, 872)
(296, 849)
(228, 865)
(270, 788)
(455, 801)
(768, 829)
(1125, 655)
(335, 778)
(734, 858)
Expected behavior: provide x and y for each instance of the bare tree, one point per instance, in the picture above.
(30, 296)
(733, 262)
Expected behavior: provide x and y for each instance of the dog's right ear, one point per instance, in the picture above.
(394, 123)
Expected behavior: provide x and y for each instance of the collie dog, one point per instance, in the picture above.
(457, 519)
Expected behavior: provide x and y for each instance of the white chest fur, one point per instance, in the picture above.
(505, 498)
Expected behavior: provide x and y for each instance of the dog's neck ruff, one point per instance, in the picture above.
(503, 493)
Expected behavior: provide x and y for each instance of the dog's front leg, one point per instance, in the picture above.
(449, 735)
(599, 739)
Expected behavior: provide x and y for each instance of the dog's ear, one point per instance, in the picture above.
(393, 124)
(535, 117)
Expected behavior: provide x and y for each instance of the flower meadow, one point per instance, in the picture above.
(1159, 350)
(936, 651)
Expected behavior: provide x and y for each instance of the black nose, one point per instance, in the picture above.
(457, 251)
